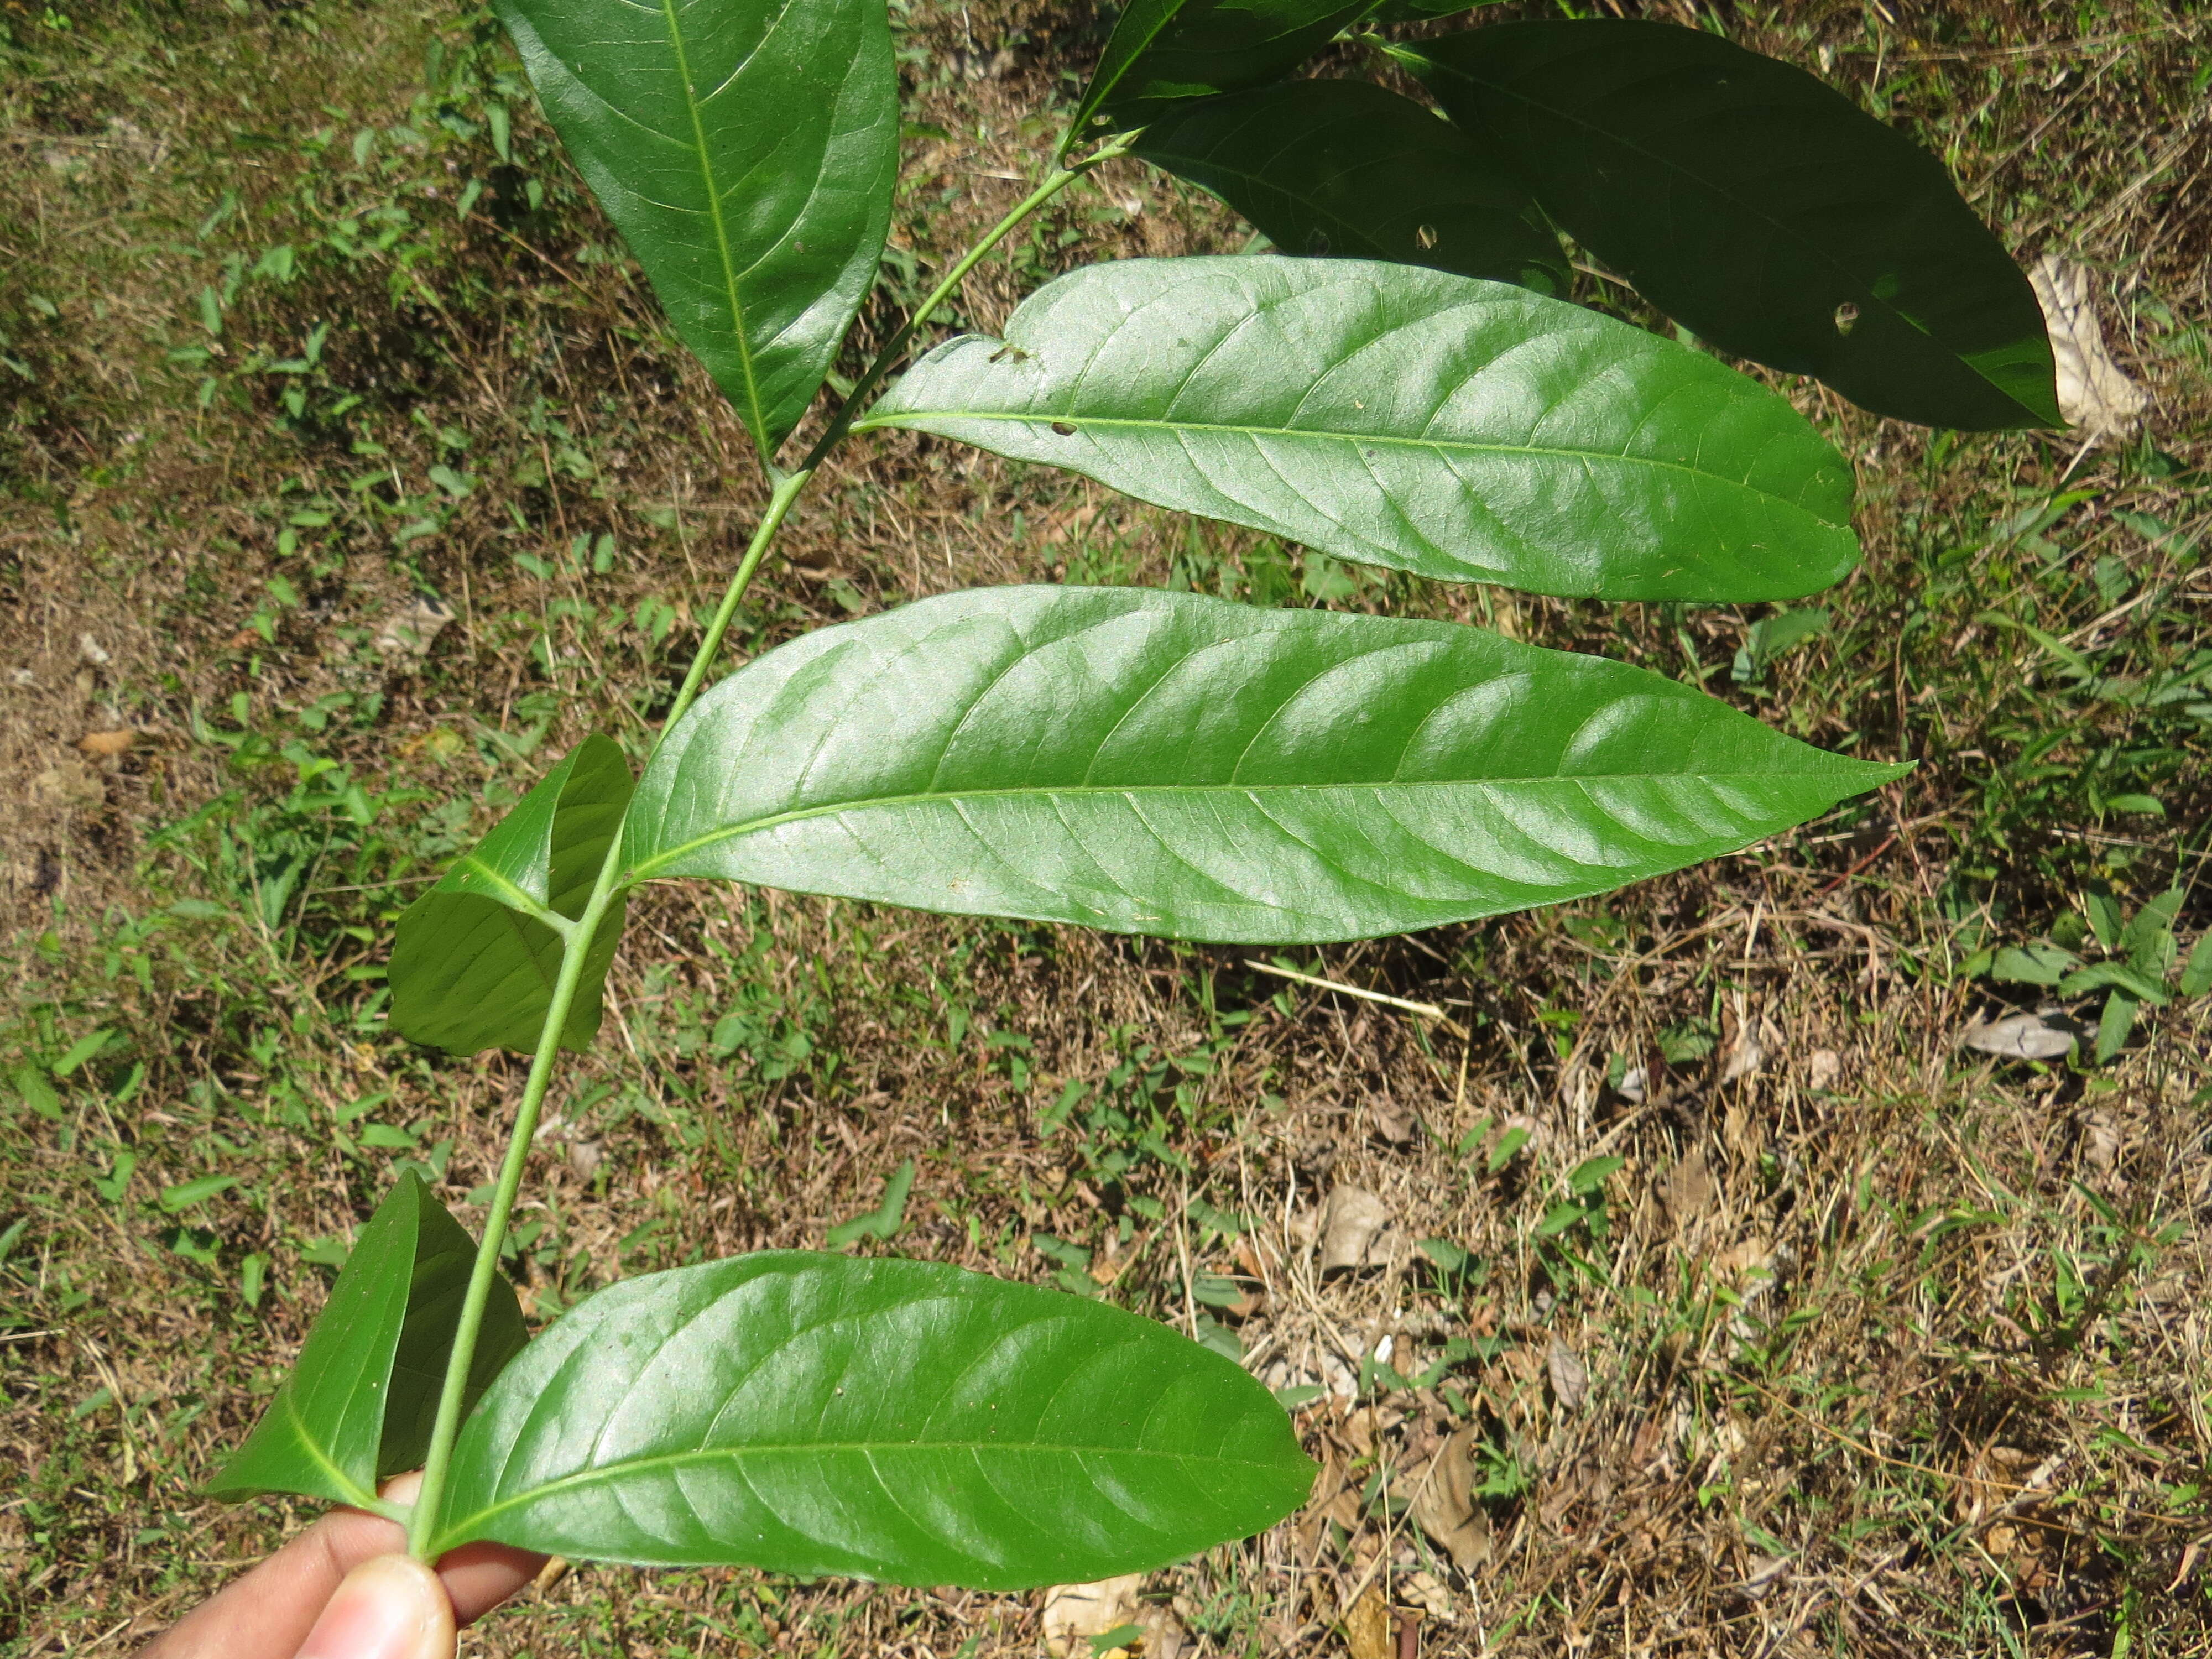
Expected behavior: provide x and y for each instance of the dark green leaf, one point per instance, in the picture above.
(1164, 52)
(1762, 210)
(1168, 764)
(746, 150)
(893, 1420)
(1347, 169)
(476, 955)
(359, 1402)
(185, 1193)
(1460, 430)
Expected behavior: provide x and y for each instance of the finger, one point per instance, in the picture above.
(390, 1606)
(479, 1577)
(267, 1613)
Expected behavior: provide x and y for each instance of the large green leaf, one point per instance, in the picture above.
(746, 150)
(476, 955)
(1458, 428)
(1344, 167)
(1168, 764)
(893, 1420)
(359, 1403)
(1164, 51)
(1761, 209)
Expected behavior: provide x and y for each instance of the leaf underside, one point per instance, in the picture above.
(1168, 764)
(746, 150)
(1460, 430)
(1346, 168)
(360, 1400)
(1761, 209)
(476, 958)
(1164, 53)
(894, 1420)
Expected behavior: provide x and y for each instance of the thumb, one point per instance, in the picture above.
(388, 1607)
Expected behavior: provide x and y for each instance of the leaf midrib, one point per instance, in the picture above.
(659, 861)
(1440, 446)
(755, 416)
(460, 1530)
(1864, 284)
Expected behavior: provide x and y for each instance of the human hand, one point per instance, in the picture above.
(345, 1588)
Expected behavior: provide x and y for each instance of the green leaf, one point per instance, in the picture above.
(476, 955)
(1762, 210)
(2033, 964)
(2104, 912)
(185, 1193)
(1346, 168)
(2147, 939)
(884, 1219)
(894, 1420)
(1168, 764)
(1456, 428)
(746, 150)
(2099, 975)
(1164, 52)
(359, 1403)
(2197, 976)
(2114, 1024)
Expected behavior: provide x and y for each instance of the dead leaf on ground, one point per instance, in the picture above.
(1354, 1229)
(1767, 1573)
(1367, 1627)
(2094, 392)
(1570, 1377)
(108, 743)
(2100, 1140)
(1755, 1044)
(404, 637)
(1689, 1189)
(1443, 1505)
(1823, 1066)
(91, 651)
(1074, 1613)
(2044, 1035)
(1395, 1122)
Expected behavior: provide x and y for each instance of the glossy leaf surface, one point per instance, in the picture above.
(1349, 169)
(1168, 764)
(1164, 53)
(1460, 430)
(1761, 209)
(359, 1402)
(476, 955)
(746, 150)
(894, 1420)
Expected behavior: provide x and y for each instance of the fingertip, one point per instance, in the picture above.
(389, 1608)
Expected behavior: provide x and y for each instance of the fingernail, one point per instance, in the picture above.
(391, 1608)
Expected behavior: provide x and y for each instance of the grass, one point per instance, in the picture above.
(1771, 1321)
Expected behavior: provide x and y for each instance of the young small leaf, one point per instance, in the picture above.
(1346, 169)
(2197, 974)
(1762, 210)
(746, 150)
(476, 955)
(2114, 1024)
(359, 1402)
(1168, 764)
(895, 1420)
(2033, 964)
(1460, 430)
(1164, 52)
(884, 1219)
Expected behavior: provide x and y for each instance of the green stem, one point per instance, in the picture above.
(885, 360)
(576, 941)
